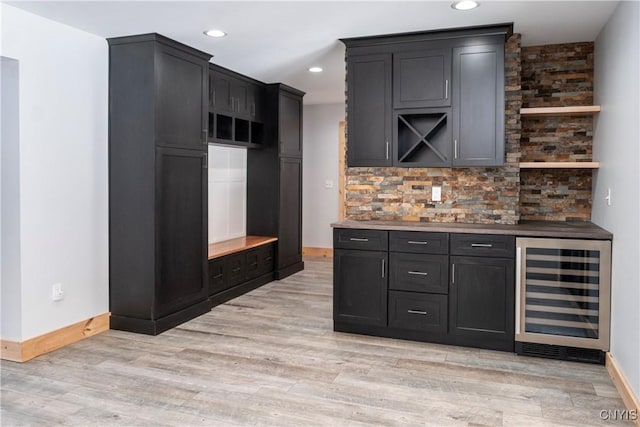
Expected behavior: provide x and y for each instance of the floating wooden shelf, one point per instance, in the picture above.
(559, 165)
(560, 111)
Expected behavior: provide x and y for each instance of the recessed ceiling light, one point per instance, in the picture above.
(465, 5)
(315, 69)
(215, 33)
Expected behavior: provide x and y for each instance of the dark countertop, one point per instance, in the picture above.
(573, 229)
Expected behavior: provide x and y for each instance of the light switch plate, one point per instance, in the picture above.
(436, 193)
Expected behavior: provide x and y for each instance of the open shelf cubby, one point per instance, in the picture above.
(241, 130)
(257, 133)
(224, 127)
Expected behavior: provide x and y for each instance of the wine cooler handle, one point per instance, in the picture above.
(518, 284)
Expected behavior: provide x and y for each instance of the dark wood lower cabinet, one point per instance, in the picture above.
(413, 285)
(360, 287)
(238, 273)
(481, 301)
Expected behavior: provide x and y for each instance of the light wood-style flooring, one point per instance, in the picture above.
(271, 358)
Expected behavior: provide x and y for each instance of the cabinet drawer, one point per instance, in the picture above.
(265, 259)
(217, 277)
(418, 242)
(368, 240)
(236, 269)
(253, 263)
(419, 273)
(422, 312)
(483, 245)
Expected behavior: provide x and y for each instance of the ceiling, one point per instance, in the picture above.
(277, 41)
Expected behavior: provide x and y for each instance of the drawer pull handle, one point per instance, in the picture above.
(217, 276)
(253, 264)
(481, 245)
(417, 242)
(268, 258)
(423, 313)
(235, 270)
(359, 239)
(418, 273)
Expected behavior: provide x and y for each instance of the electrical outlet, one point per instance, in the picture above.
(56, 292)
(328, 183)
(436, 194)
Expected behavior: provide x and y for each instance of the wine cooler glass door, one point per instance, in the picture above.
(563, 292)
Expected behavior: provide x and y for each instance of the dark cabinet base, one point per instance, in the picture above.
(243, 288)
(157, 326)
(423, 336)
(289, 270)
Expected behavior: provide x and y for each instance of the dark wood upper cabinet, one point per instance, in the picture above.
(235, 109)
(181, 98)
(290, 123)
(422, 79)
(157, 183)
(427, 99)
(369, 110)
(478, 105)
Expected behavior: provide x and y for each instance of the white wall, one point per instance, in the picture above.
(616, 138)
(11, 322)
(320, 163)
(227, 193)
(63, 118)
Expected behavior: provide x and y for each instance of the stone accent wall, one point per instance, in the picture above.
(556, 76)
(469, 195)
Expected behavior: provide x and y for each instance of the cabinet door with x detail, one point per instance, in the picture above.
(423, 137)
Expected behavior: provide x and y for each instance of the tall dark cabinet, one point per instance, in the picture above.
(276, 210)
(158, 107)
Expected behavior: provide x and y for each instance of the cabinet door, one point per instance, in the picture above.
(478, 105)
(256, 99)
(481, 298)
(290, 222)
(360, 287)
(181, 99)
(222, 92)
(369, 110)
(421, 79)
(290, 125)
(241, 95)
(181, 229)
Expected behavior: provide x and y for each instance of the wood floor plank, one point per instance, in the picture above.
(271, 358)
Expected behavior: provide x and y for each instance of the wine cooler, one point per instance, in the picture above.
(563, 294)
